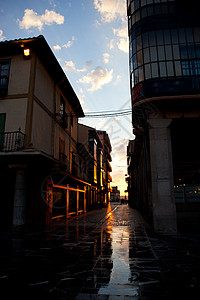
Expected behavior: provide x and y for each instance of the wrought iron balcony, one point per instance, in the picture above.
(11, 141)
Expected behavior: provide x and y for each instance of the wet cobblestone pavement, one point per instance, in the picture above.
(109, 254)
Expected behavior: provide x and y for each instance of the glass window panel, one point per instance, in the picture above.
(145, 40)
(134, 46)
(164, 9)
(160, 38)
(170, 68)
(154, 69)
(182, 37)
(136, 76)
(139, 58)
(167, 38)
(185, 68)
(152, 38)
(144, 12)
(174, 33)
(131, 65)
(183, 51)
(153, 54)
(197, 50)
(189, 35)
(146, 55)
(139, 43)
(163, 70)
(149, 1)
(168, 52)
(133, 6)
(143, 2)
(198, 66)
(178, 68)
(176, 51)
(147, 71)
(150, 11)
(133, 19)
(197, 34)
(156, 1)
(132, 79)
(172, 8)
(161, 53)
(135, 61)
(137, 4)
(193, 67)
(137, 16)
(191, 51)
(141, 74)
(157, 10)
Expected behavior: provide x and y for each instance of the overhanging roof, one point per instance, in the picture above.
(40, 46)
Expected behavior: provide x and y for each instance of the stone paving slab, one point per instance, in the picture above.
(104, 254)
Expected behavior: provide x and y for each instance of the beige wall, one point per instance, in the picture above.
(41, 129)
(44, 86)
(15, 110)
(19, 75)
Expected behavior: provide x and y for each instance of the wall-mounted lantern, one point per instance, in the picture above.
(27, 53)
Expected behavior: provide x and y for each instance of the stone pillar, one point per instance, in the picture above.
(163, 205)
(19, 198)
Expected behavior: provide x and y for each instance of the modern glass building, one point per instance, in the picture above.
(164, 47)
(164, 41)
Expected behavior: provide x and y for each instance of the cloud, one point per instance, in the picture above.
(122, 34)
(106, 57)
(97, 78)
(110, 9)
(69, 43)
(87, 65)
(32, 19)
(56, 47)
(1, 35)
(69, 66)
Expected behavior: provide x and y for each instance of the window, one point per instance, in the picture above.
(4, 76)
(178, 68)
(168, 51)
(163, 71)
(63, 115)
(153, 53)
(147, 71)
(170, 68)
(185, 68)
(154, 68)
(161, 53)
(146, 55)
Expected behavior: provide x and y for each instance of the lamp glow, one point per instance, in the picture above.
(27, 52)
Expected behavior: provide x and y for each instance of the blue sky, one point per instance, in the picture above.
(89, 39)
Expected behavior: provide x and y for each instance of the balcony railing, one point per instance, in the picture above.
(11, 141)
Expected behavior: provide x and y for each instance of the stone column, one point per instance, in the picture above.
(19, 198)
(163, 205)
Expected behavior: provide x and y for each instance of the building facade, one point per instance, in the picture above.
(106, 159)
(115, 194)
(39, 113)
(164, 38)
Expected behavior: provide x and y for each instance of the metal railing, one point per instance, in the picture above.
(11, 141)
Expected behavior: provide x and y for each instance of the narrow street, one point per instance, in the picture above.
(105, 254)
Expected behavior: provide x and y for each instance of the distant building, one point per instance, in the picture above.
(115, 194)
(107, 169)
(90, 140)
(164, 39)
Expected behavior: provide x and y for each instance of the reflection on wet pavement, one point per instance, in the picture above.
(105, 255)
(126, 266)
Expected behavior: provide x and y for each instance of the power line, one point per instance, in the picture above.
(109, 114)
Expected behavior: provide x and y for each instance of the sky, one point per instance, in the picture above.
(90, 41)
